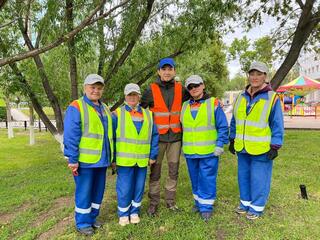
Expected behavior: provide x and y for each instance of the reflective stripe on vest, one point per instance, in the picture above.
(163, 118)
(91, 141)
(199, 134)
(133, 148)
(252, 130)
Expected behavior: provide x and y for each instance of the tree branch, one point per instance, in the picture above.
(300, 3)
(2, 3)
(133, 41)
(60, 40)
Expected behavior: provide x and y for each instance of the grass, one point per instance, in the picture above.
(36, 197)
(48, 111)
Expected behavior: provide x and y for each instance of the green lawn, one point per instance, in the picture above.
(36, 192)
(48, 111)
(2, 103)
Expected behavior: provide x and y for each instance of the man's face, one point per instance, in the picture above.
(133, 99)
(196, 90)
(167, 73)
(257, 78)
(94, 91)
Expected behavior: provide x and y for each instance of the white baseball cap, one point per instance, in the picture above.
(93, 78)
(195, 79)
(131, 87)
(260, 66)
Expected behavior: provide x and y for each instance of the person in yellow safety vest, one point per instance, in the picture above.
(88, 145)
(205, 131)
(256, 134)
(136, 146)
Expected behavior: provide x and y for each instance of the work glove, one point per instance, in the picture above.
(272, 154)
(218, 151)
(231, 147)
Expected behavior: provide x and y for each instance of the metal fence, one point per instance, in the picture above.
(26, 124)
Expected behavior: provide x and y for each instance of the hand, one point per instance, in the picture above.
(74, 168)
(231, 148)
(218, 151)
(151, 161)
(272, 154)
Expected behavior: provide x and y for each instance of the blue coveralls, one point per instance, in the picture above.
(255, 171)
(131, 180)
(203, 169)
(90, 182)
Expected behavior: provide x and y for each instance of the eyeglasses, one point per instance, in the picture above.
(191, 86)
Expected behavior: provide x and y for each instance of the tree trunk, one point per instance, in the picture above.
(9, 118)
(45, 82)
(72, 52)
(307, 23)
(102, 49)
(31, 126)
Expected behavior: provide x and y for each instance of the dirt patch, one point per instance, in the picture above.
(221, 234)
(58, 204)
(57, 229)
(8, 217)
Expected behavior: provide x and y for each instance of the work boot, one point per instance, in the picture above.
(252, 216)
(240, 211)
(152, 210)
(97, 225)
(173, 207)
(195, 209)
(206, 216)
(88, 231)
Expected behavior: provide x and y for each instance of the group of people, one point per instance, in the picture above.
(167, 118)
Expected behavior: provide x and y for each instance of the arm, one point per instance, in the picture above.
(276, 125)
(154, 143)
(221, 126)
(72, 134)
(232, 135)
(185, 94)
(147, 99)
(114, 128)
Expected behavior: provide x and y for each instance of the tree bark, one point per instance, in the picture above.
(2, 3)
(31, 126)
(307, 23)
(102, 48)
(9, 118)
(72, 51)
(45, 81)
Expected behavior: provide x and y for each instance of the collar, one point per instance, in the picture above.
(201, 100)
(163, 83)
(129, 109)
(266, 89)
(87, 100)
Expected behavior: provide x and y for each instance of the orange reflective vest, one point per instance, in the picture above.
(163, 118)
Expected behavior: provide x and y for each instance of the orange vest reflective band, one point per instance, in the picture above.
(163, 118)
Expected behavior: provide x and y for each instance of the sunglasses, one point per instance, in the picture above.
(191, 86)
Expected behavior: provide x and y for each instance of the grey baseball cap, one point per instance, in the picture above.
(131, 87)
(260, 66)
(93, 78)
(195, 79)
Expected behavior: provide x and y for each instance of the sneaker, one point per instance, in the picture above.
(252, 216)
(173, 207)
(88, 231)
(152, 210)
(134, 218)
(195, 209)
(206, 216)
(240, 211)
(124, 221)
(97, 225)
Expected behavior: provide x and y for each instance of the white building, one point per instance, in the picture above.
(309, 65)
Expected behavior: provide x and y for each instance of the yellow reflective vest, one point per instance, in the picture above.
(133, 148)
(252, 130)
(199, 134)
(90, 146)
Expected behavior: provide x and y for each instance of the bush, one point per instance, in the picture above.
(3, 114)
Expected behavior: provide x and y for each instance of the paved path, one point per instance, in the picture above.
(296, 122)
(18, 115)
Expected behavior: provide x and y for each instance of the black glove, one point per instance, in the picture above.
(231, 147)
(272, 154)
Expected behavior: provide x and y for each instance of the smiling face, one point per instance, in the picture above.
(257, 79)
(167, 73)
(132, 99)
(196, 90)
(94, 91)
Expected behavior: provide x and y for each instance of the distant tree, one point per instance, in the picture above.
(238, 82)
